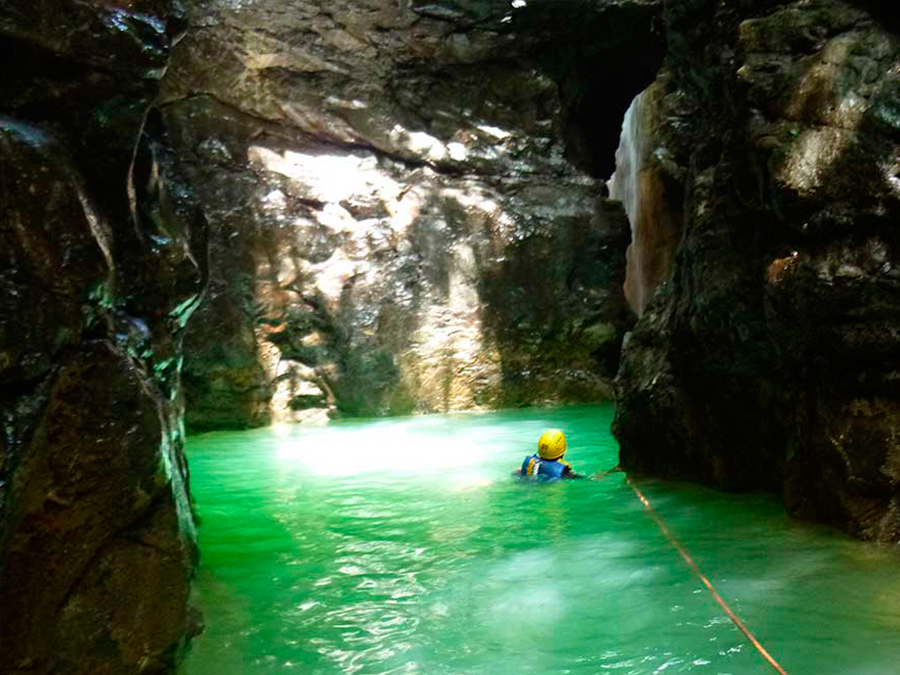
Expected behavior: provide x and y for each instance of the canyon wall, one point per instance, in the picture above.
(769, 356)
(404, 202)
(102, 260)
(394, 207)
(397, 207)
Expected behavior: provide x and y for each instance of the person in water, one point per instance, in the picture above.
(548, 463)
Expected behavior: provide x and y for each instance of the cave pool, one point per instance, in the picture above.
(404, 546)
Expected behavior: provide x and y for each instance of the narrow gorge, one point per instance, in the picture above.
(227, 214)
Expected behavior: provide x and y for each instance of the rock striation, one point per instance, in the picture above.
(404, 203)
(769, 356)
(102, 260)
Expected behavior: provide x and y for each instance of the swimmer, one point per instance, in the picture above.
(548, 463)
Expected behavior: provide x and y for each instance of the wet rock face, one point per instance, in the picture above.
(401, 202)
(650, 186)
(769, 357)
(101, 263)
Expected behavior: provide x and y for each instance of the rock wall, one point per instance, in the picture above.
(769, 357)
(101, 262)
(403, 202)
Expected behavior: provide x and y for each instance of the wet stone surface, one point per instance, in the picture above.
(403, 203)
(768, 357)
(96, 531)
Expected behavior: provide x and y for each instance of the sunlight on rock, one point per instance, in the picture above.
(825, 85)
(336, 218)
(457, 151)
(811, 156)
(405, 210)
(474, 197)
(463, 280)
(262, 61)
(349, 104)
(332, 274)
(420, 143)
(327, 177)
(448, 361)
(496, 132)
(891, 171)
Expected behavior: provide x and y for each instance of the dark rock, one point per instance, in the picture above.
(767, 358)
(101, 262)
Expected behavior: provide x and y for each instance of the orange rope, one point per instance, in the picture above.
(706, 582)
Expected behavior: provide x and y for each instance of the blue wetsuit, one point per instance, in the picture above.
(546, 469)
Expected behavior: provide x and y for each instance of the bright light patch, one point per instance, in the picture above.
(391, 449)
(457, 151)
(347, 104)
(496, 132)
(518, 4)
(420, 143)
(328, 178)
(812, 155)
(892, 175)
(332, 274)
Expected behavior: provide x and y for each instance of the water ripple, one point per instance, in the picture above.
(447, 567)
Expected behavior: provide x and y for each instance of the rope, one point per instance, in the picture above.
(706, 582)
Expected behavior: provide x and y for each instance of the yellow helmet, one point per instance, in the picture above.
(552, 444)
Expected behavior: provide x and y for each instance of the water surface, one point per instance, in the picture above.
(404, 546)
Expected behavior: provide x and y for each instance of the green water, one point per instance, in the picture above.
(404, 546)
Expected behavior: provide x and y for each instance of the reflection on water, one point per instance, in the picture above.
(404, 546)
